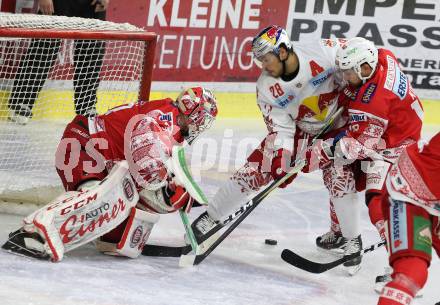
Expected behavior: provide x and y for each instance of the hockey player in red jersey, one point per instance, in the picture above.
(115, 171)
(411, 204)
(385, 116)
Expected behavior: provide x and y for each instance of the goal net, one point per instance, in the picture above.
(52, 68)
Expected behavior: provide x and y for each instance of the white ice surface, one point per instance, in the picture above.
(242, 270)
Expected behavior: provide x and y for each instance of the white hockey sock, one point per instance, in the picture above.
(227, 199)
(348, 211)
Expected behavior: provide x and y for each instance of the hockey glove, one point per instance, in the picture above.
(324, 151)
(179, 198)
(281, 165)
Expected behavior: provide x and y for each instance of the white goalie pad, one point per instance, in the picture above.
(136, 234)
(76, 218)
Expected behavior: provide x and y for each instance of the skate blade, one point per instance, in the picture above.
(353, 270)
(337, 252)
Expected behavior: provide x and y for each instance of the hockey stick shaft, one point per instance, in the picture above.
(188, 230)
(300, 262)
(253, 203)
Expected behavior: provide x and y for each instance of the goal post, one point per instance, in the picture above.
(52, 68)
(148, 37)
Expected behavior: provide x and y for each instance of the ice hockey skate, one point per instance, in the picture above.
(20, 114)
(332, 242)
(352, 246)
(385, 278)
(203, 227)
(27, 244)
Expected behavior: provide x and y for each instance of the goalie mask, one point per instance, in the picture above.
(270, 40)
(354, 53)
(200, 109)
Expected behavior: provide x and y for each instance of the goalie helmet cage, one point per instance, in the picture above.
(52, 68)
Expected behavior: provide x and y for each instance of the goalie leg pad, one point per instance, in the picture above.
(135, 235)
(76, 218)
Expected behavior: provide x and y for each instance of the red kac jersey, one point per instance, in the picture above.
(143, 134)
(384, 114)
(416, 176)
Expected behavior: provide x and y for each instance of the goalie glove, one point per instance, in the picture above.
(167, 199)
(179, 198)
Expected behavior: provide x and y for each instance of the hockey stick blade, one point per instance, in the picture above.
(165, 251)
(300, 262)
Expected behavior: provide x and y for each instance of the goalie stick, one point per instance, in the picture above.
(300, 262)
(192, 259)
(176, 251)
(165, 251)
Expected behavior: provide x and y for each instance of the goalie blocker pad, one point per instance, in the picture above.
(76, 218)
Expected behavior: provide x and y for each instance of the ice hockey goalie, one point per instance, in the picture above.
(117, 179)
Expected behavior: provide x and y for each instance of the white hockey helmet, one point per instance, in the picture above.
(355, 52)
(270, 40)
(200, 107)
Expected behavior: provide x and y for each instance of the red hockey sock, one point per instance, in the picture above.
(334, 226)
(410, 275)
(376, 214)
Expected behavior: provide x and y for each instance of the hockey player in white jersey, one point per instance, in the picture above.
(297, 92)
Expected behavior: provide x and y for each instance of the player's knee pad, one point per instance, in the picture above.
(133, 236)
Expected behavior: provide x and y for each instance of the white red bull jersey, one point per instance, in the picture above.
(306, 101)
(415, 177)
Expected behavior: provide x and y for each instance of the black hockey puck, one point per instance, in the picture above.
(271, 242)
